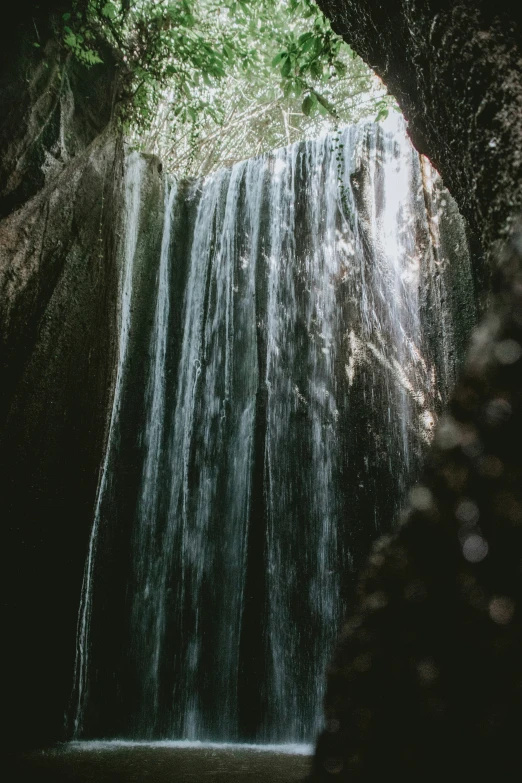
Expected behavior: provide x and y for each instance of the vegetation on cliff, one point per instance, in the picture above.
(208, 82)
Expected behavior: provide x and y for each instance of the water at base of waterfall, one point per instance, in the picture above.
(292, 749)
(105, 762)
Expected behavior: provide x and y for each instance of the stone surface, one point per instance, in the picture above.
(60, 265)
(58, 284)
(61, 178)
(53, 107)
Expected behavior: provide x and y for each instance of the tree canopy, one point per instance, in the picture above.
(209, 82)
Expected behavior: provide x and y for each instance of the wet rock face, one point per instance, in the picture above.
(60, 271)
(59, 210)
(52, 109)
(58, 287)
(456, 70)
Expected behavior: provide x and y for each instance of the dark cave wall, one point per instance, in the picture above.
(61, 258)
(58, 286)
(52, 106)
(61, 178)
(455, 67)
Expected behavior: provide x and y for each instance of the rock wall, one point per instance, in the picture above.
(58, 283)
(61, 169)
(427, 675)
(60, 272)
(455, 68)
(53, 107)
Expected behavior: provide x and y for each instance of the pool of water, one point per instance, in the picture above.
(139, 762)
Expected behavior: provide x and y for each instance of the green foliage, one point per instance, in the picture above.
(77, 37)
(208, 82)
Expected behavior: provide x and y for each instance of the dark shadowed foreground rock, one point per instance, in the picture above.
(427, 679)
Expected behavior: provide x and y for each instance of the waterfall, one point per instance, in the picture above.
(148, 621)
(295, 336)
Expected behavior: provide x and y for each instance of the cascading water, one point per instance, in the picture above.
(147, 643)
(272, 403)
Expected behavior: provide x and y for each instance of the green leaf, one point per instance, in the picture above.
(323, 102)
(305, 37)
(109, 10)
(308, 104)
(340, 68)
(308, 44)
(288, 87)
(66, 17)
(90, 57)
(286, 67)
(316, 69)
(277, 59)
(318, 46)
(228, 52)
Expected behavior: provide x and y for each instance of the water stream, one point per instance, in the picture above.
(282, 360)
